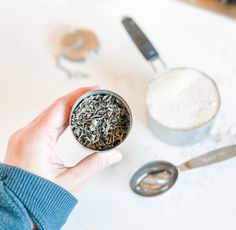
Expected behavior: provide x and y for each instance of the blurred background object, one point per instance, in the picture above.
(225, 7)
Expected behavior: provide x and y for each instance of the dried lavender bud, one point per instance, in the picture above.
(100, 121)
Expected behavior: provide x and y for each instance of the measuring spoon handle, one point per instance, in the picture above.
(209, 158)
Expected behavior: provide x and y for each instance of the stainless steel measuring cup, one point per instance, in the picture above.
(92, 124)
(168, 134)
(158, 177)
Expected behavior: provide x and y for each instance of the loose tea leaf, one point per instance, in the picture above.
(100, 122)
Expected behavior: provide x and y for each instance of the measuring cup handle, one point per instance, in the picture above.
(210, 158)
(141, 41)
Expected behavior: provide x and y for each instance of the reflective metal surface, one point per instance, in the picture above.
(154, 178)
(166, 134)
(158, 177)
(103, 92)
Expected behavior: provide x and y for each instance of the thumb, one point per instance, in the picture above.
(74, 177)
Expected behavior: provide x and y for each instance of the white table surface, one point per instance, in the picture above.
(185, 36)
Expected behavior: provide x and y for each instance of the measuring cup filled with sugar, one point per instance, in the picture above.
(182, 103)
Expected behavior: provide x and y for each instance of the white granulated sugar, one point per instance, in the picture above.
(183, 99)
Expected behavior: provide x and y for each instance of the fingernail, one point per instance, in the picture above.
(114, 156)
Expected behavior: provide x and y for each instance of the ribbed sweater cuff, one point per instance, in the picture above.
(48, 204)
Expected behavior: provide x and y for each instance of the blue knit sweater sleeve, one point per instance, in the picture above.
(27, 198)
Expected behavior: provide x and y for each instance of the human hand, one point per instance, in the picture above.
(32, 147)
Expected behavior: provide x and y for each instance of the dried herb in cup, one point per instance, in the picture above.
(100, 120)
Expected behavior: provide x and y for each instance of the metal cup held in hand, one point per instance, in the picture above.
(100, 120)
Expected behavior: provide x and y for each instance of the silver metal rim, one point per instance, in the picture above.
(101, 91)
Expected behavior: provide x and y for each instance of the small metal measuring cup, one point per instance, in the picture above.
(158, 177)
(164, 133)
(95, 118)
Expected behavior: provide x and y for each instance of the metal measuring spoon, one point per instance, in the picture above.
(158, 177)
